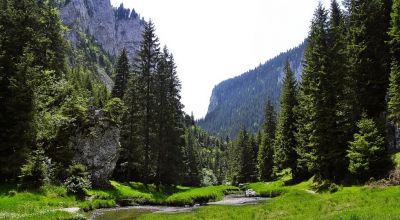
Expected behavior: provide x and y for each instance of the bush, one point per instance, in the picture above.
(12, 193)
(36, 172)
(115, 109)
(78, 180)
(325, 185)
(208, 178)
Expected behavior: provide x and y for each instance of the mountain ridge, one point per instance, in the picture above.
(239, 101)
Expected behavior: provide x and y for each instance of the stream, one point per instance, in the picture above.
(132, 212)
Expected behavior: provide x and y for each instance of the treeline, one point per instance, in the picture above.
(335, 123)
(43, 100)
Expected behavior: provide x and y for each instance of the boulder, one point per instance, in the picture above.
(97, 147)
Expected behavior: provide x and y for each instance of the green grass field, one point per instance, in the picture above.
(350, 203)
(288, 202)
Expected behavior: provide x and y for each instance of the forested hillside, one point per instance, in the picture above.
(239, 102)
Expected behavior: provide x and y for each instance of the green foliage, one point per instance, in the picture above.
(266, 147)
(207, 177)
(36, 172)
(366, 151)
(115, 109)
(122, 75)
(78, 180)
(316, 136)
(285, 155)
(369, 56)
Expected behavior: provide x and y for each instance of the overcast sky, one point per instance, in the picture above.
(213, 40)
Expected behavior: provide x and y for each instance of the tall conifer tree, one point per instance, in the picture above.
(122, 74)
(266, 147)
(317, 116)
(285, 155)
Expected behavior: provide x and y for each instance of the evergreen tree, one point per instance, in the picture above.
(170, 122)
(317, 115)
(145, 66)
(131, 162)
(285, 143)
(343, 88)
(394, 85)
(191, 162)
(247, 165)
(369, 55)
(367, 151)
(266, 151)
(31, 49)
(122, 74)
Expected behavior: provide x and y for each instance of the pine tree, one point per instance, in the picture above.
(169, 119)
(266, 151)
(244, 149)
(285, 143)
(343, 88)
(367, 151)
(31, 50)
(369, 55)
(393, 105)
(191, 162)
(145, 66)
(131, 162)
(317, 115)
(122, 74)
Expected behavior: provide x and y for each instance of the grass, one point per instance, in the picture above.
(47, 202)
(295, 202)
(42, 204)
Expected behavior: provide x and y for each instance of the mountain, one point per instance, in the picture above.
(97, 33)
(240, 101)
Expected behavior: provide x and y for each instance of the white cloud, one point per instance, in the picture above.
(213, 40)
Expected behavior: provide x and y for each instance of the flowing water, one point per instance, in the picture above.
(129, 213)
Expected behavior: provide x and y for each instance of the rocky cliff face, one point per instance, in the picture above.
(97, 147)
(113, 29)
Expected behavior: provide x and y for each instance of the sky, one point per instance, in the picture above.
(214, 40)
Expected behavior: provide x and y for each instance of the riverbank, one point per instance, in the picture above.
(297, 202)
(50, 201)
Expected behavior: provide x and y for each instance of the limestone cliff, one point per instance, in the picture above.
(113, 29)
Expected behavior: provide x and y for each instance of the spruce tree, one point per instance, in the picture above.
(367, 151)
(394, 80)
(266, 151)
(285, 142)
(369, 55)
(122, 74)
(245, 152)
(145, 66)
(317, 115)
(131, 162)
(343, 88)
(169, 120)
(31, 51)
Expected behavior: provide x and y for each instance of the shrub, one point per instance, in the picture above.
(115, 109)
(78, 180)
(208, 178)
(12, 193)
(35, 173)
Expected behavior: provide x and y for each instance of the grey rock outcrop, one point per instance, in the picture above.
(97, 147)
(99, 19)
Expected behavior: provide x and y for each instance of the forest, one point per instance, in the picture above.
(67, 140)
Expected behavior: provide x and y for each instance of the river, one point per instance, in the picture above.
(132, 212)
